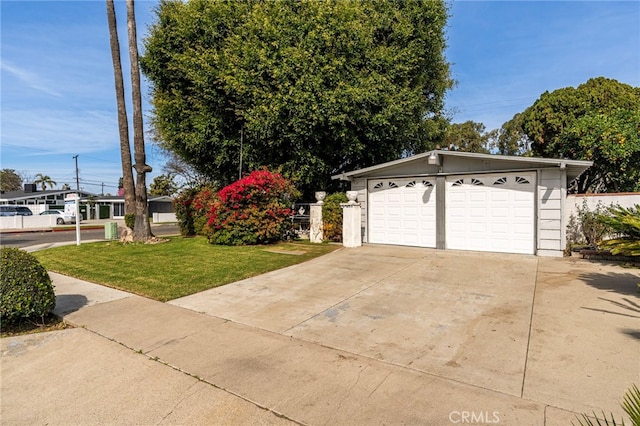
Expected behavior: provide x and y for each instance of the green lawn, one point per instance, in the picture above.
(176, 268)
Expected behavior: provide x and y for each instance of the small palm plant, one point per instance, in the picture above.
(630, 404)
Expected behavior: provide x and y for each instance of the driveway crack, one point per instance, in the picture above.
(533, 304)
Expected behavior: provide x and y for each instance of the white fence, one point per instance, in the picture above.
(20, 222)
(592, 201)
(164, 218)
(575, 201)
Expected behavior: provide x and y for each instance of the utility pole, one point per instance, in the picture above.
(75, 157)
(77, 203)
(102, 191)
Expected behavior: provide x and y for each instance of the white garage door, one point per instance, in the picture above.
(403, 212)
(491, 212)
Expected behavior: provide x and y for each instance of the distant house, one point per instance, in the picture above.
(39, 201)
(157, 204)
(103, 207)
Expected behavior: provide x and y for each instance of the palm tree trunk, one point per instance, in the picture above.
(123, 124)
(142, 230)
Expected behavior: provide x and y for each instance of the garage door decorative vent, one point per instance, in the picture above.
(501, 181)
(521, 180)
(476, 182)
(459, 182)
(392, 185)
(426, 183)
(411, 184)
(378, 185)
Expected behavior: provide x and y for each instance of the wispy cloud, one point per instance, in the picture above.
(29, 78)
(45, 131)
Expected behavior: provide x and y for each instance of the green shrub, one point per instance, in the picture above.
(25, 287)
(130, 220)
(252, 210)
(332, 216)
(626, 224)
(586, 227)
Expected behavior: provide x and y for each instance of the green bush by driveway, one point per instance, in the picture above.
(25, 287)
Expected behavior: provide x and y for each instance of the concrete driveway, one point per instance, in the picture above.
(562, 332)
(374, 335)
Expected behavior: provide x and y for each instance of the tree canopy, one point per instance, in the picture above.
(310, 88)
(469, 136)
(163, 184)
(598, 121)
(10, 180)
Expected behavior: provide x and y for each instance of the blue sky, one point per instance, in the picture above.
(57, 92)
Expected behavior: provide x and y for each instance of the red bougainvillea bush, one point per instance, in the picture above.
(192, 206)
(253, 210)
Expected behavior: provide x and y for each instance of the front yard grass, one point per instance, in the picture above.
(176, 268)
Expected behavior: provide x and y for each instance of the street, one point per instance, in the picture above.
(26, 239)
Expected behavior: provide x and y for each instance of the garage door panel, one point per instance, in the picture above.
(499, 212)
(499, 196)
(478, 212)
(521, 229)
(394, 211)
(477, 196)
(458, 197)
(499, 228)
(522, 212)
(409, 212)
(411, 197)
(495, 216)
(478, 228)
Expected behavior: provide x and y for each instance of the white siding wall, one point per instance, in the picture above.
(551, 198)
(360, 185)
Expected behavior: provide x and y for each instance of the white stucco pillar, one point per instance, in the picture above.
(315, 223)
(351, 213)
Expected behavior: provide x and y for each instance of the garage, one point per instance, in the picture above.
(493, 212)
(465, 201)
(403, 212)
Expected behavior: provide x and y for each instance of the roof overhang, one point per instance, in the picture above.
(573, 167)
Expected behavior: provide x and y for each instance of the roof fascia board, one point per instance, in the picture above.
(493, 157)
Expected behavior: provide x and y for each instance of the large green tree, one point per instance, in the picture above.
(310, 88)
(598, 121)
(163, 184)
(10, 180)
(469, 136)
(511, 139)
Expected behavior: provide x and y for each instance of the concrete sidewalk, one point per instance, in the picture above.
(137, 361)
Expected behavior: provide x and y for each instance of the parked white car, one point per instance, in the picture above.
(62, 217)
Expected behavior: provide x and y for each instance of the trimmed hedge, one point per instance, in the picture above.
(332, 216)
(25, 287)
